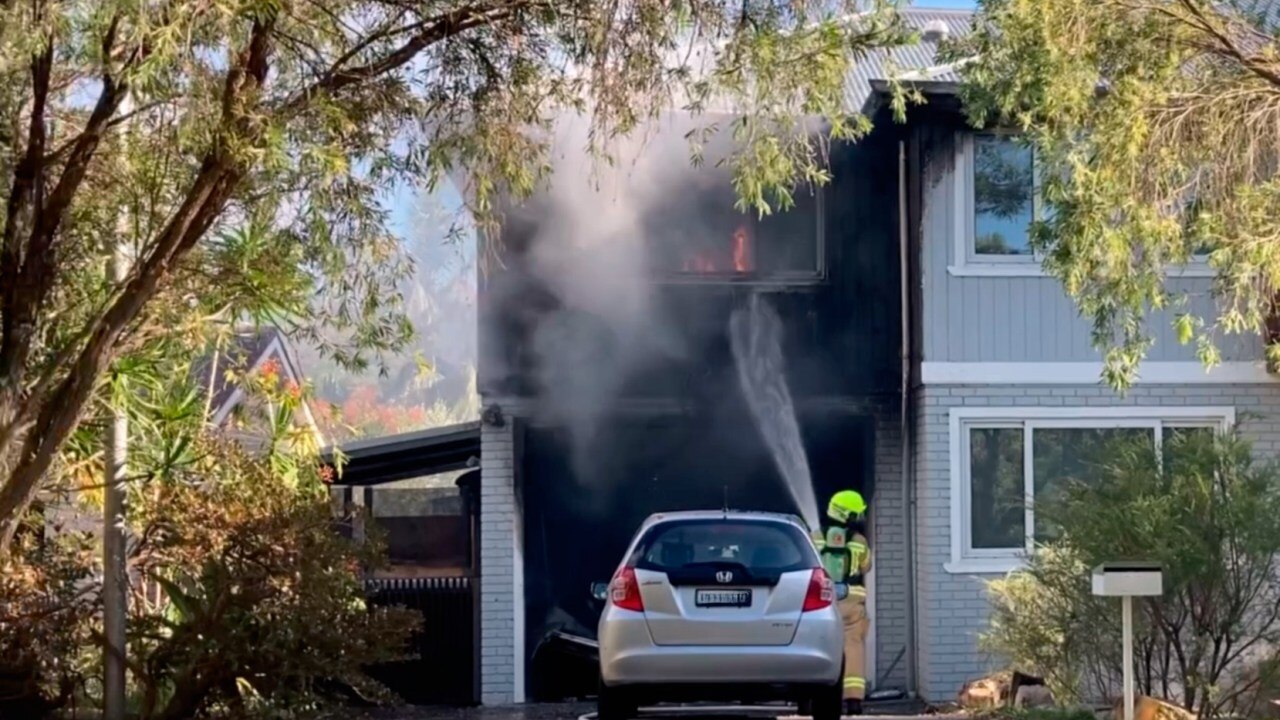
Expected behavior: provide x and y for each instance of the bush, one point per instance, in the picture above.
(1210, 514)
(48, 606)
(260, 599)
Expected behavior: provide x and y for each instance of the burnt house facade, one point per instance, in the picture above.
(596, 417)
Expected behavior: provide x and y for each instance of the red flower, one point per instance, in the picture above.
(270, 369)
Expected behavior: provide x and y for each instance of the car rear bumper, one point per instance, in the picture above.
(628, 656)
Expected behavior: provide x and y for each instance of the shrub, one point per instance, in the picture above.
(48, 606)
(261, 598)
(1210, 514)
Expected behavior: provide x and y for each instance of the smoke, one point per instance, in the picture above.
(604, 232)
(589, 251)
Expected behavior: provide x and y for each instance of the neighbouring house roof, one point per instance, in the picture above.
(250, 348)
(408, 455)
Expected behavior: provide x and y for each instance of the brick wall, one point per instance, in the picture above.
(889, 549)
(953, 608)
(501, 570)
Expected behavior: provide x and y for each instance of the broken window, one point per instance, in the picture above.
(698, 234)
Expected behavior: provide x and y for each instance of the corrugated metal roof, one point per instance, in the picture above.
(917, 61)
(1264, 12)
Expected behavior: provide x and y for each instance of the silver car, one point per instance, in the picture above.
(728, 606)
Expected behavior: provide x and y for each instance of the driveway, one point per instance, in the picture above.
(894, 711)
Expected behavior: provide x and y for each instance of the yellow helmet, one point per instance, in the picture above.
(846, 503)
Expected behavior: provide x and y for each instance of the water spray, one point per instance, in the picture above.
(755, 335)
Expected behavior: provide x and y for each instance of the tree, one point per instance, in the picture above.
(1156, 126)
(433, 381)
(164, 129)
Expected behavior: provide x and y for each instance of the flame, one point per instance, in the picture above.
(734, 258)
(741, 250)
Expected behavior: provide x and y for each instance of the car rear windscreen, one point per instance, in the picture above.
(759, 545)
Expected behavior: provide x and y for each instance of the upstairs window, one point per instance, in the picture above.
(997, 201)
(1003, 197)
(697, 235)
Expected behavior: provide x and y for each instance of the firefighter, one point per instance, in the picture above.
(846, 555)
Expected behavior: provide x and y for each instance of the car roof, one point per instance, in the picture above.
(663, 517)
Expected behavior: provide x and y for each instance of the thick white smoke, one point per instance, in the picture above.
(590, 251)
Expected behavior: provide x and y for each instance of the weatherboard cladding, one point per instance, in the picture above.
(1029, 318)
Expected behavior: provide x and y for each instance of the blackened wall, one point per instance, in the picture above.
(842, 333)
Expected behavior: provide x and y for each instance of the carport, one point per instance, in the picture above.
(421, 489)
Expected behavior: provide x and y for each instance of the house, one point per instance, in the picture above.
(231, 407)
(929, 357)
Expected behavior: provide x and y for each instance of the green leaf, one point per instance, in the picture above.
(1184, 327)
(187, 606)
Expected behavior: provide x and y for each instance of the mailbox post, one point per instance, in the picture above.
(1127, 580)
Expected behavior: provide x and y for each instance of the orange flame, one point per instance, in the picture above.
(736, 257)
(741, 250)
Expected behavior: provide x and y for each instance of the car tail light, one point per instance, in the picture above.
(822, 592)
(624, 591)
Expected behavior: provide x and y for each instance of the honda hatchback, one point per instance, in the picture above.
(728, 606)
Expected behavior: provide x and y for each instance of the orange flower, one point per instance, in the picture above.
(270, 369)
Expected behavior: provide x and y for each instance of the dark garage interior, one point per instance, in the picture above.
(576, 531)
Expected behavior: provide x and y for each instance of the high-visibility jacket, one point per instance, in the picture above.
(846, 558)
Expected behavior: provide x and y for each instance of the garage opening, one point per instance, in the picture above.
(576, 528)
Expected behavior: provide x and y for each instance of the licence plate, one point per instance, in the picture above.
(722, 598)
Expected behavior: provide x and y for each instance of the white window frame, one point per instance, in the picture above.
(966, 255)
(966, 559)
(966, 261)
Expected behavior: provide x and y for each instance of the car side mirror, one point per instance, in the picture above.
(842, 591)
(600, 591)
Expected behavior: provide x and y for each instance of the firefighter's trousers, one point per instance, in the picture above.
(853, 610)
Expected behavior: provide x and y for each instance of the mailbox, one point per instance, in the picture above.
(1128, 579)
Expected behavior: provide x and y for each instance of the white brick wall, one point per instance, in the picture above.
(501, 570)
(888, 548)
(953, 609)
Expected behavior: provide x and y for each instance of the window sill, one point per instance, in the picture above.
(1191, 270)
(984, 566)
(1029, 270)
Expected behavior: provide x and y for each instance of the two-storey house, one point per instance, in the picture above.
(934, 366)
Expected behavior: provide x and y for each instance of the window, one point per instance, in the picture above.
(755, 545)
(1003, 197)
(1004, 460)
(997, 201)
(697, 235)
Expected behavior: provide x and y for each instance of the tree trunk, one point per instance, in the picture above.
(61, 410)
